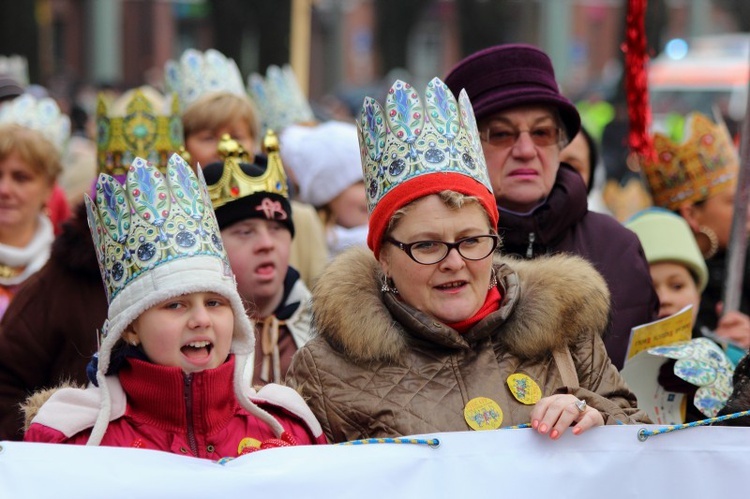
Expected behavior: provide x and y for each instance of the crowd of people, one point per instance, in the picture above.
(237, 276)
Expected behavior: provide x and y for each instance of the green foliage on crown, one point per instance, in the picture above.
(410, 138)
(153, 220)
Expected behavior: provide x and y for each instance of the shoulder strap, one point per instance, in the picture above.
(565, 365)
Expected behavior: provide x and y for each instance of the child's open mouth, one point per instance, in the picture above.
(197, 350)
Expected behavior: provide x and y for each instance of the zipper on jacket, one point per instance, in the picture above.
(530, 249)
(188, 394)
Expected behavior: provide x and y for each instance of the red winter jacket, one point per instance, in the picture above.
(164, 409)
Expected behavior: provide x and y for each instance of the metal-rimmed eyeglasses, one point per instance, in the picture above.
(431, 252)
(501, 135)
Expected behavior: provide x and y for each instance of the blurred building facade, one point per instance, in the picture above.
(335, 45)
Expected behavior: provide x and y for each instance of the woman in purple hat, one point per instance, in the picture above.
(524, 121)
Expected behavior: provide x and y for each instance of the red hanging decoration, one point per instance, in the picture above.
(636, 80)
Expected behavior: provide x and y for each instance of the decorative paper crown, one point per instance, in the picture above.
(703, 165)
(702, 363)
(42, 115)
(197, 74)
(279, 98)
(409, 139)
(16, 67)
(141, 130)
(235, 184)
(152, 221)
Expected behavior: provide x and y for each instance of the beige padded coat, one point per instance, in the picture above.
(379, 368)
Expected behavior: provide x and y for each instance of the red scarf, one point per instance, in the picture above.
(491, 304)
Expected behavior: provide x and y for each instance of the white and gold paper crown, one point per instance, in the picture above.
(279, 98)
(153, 220)
(42, 115)
(410, 138)
(16, 67)
(198, 73)
(147, 126)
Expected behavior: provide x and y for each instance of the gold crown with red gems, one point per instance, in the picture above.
(705, 163)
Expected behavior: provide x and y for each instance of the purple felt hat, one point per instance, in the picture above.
(508, 76)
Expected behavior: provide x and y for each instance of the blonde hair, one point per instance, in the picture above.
(214, 110)
(452, 199)
(33, 149)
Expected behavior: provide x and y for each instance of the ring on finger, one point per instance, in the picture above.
(581, 405)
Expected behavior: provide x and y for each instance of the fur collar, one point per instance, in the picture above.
(552, 300)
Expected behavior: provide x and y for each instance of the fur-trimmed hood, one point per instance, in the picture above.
(547, 302)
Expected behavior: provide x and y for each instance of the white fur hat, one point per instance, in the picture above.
(324, 158)
(155, 239)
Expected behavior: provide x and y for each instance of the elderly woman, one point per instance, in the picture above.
(433, 331)
(524, 122)
(29, 165)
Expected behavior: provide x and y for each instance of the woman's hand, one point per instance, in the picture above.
(554, 414)
(735, 327)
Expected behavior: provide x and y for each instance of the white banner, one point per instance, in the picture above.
(607, 462)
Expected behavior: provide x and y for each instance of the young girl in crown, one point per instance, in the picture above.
(172, 370)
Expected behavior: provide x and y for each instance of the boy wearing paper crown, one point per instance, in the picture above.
(251, 200)
(172, 370)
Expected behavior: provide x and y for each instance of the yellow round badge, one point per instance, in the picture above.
(524, 389)
(482, 413)
(247, 442)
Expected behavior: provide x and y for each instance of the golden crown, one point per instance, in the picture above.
(235, 184)
(140, 130)
(704, 164)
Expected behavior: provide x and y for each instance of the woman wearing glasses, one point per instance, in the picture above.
(431, 330)
(524, 122)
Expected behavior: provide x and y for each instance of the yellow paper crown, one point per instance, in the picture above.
(704, 164)
(235, 183)
(142, 129)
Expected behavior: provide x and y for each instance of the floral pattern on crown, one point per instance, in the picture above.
(702, 363)
(142, 131)
(408, 138)
(279, 98)
(42, 115)
(704, 164)
(152, 220)
(199, 73)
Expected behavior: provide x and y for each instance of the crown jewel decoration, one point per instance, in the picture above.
(279, 98)
(142, 131)
(152, 220)
(408, 138)
(198, 73)
(235, 183)
(705, 163)
(42, 115)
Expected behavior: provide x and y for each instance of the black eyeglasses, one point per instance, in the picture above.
(431, 252)
(504, 136)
